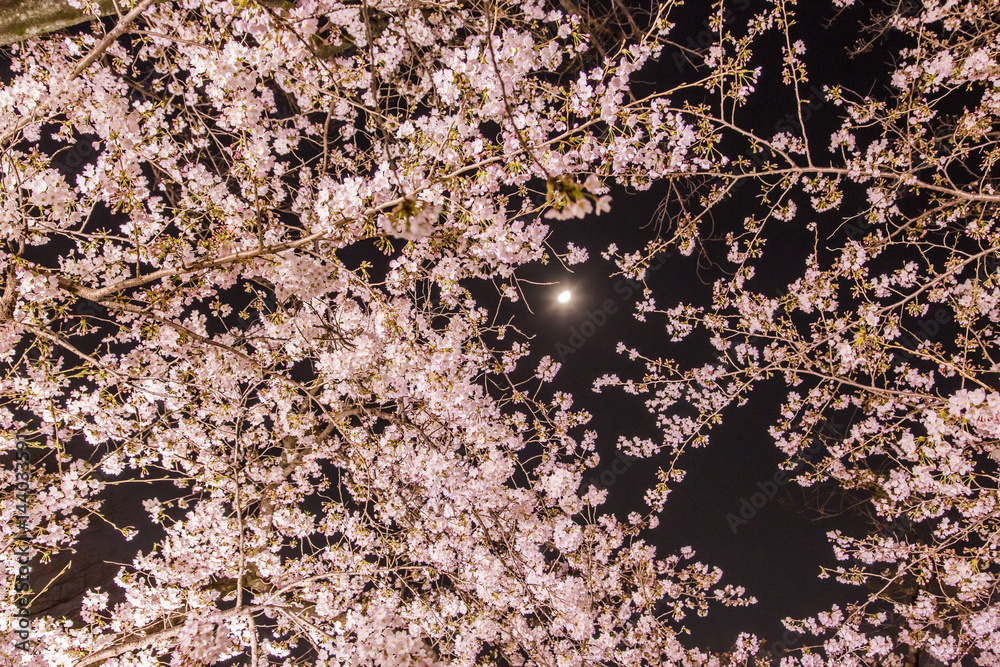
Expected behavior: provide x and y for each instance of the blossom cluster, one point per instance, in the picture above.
(350, 492)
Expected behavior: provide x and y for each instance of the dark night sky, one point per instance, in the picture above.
(774, 555)
(777, 554)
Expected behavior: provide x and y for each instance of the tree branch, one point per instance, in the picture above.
(24, 19)
(146, 640)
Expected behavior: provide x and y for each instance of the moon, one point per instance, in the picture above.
(564, 297)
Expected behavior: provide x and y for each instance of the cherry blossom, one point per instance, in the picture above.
(255, 292)
(344, 488)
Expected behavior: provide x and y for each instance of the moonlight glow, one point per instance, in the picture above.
(564, 297)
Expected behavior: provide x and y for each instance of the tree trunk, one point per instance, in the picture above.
(23, 19)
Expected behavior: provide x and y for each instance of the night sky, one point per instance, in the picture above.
(775, 554)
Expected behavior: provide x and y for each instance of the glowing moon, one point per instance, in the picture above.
(564, 297)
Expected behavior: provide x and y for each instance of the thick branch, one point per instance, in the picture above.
(160, 635)
(24, 19)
